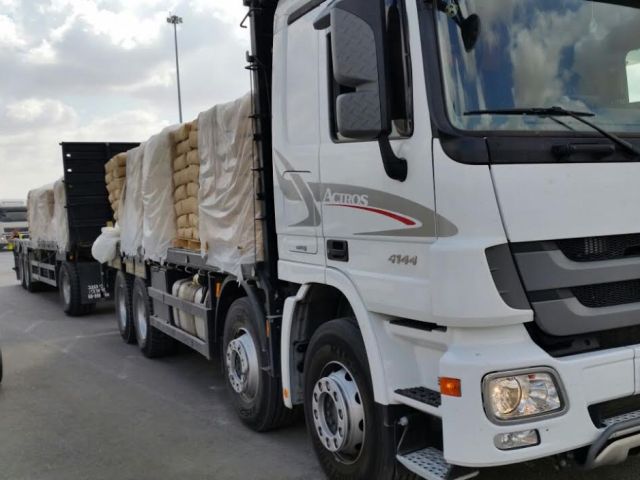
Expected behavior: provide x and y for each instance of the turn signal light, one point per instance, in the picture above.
(451, 387)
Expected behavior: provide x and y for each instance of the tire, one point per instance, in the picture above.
(346, 428)
(152, 342)
(29, 284)
(255, 394)
(122, 294)
(70, 293)
(20, 270)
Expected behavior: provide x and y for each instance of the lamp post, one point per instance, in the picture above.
(175, 20)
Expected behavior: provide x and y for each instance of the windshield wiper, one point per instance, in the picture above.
(562, 112)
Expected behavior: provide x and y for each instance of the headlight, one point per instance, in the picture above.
(523, 394)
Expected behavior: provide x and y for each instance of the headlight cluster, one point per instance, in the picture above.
(520, 395)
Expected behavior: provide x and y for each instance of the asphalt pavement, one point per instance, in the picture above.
(77, 403)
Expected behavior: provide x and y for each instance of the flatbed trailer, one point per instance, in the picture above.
(73, 270)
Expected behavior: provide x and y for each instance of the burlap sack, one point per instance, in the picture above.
(193, 220)
(193, 158)
(180, 163)
(180, 193)
(193, 139)
(183, 221)
(183, 147)
(115, 185)
(192, 189)
(187, 206)
(120, 160)
(119, 172)
(181, 134)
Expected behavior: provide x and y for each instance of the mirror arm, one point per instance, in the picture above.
(395, 166)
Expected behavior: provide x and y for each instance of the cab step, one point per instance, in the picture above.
(429, 464)
(422, 395)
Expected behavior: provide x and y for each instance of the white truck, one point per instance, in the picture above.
(13, 221)
(448, 208)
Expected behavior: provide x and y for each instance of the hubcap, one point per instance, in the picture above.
(66, 289)
(122, 307)
(338, 413)
(141, 320)
(242, 365)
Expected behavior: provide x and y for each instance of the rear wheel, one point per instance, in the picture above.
(70, 293)
(123, 291)
(20, 269)
(347, 430)
(256, 395)
(152, 342)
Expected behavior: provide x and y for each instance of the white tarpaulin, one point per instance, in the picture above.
(230, 234)
(105, 248)
(131, 211)
(40, 206)
(159, 224)
(47, 215)
(60, 223)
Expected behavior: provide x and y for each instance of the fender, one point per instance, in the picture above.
(340, 281)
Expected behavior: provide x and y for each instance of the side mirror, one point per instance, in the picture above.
(359, 59)
(470, 30)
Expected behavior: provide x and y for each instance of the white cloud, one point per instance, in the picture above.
(42, 111)
(10, 36)
(123, 28)
(103, 70)
(42, 54)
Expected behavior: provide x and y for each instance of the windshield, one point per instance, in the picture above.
(578, 54)
(18, 214)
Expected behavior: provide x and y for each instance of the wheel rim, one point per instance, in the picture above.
(338, 413)
(141, 320)
(242, 365)
(122, 307)
(66, 288)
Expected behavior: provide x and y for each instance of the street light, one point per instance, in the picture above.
(175, 20)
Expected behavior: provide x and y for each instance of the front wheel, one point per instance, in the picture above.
(347, 430)
(256, 395)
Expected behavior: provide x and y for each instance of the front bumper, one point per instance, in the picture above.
(588, 379)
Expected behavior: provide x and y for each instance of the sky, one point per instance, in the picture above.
(104, 70)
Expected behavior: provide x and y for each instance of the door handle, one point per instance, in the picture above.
(338, 250)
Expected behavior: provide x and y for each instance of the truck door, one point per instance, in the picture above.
(376, 229)
(296, 134)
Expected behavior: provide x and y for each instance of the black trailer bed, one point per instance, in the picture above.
(88, 208)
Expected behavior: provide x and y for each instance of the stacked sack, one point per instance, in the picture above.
(116, 172)
(186, 178)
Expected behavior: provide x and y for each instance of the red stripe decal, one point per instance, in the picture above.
(405, 220)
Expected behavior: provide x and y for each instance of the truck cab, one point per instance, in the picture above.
(13, 221)
(460, 179)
